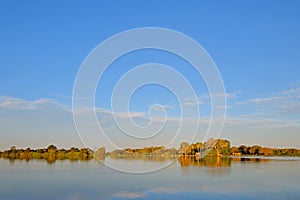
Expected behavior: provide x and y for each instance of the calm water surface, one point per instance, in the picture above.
(185, 179)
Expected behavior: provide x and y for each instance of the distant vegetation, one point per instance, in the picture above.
(145, 152)
(219, 147)
(50, 154)
(263, 151)
(213, 148)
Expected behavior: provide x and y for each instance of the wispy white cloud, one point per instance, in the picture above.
(165, 190)
(16, 103)
(192, 103)
(130, 114)
(129, 195)
(162, 107)
(229, 95)
(262, 100)
(262, 121)
(104, 111)
(285, 102)
(206, 98)
(224, 107)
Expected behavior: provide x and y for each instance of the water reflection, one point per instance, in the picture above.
(99, 157)
(211, 166)
(183, 160)
(187, 178)
(208, 162)
(50, 160)
(249, 159)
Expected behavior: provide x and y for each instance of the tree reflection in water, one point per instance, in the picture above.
(212, 166)
(207, 161)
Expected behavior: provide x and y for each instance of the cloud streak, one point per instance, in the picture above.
(206, 99)
(21, 104)
(283, 103)
(129, 195)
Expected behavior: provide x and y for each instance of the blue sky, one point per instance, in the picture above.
(255, 45)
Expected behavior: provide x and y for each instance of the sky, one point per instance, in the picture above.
(254, 44)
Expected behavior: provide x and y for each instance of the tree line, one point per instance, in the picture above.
(51, 153)
(219, 147)
(210, 148)
(264, 151)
